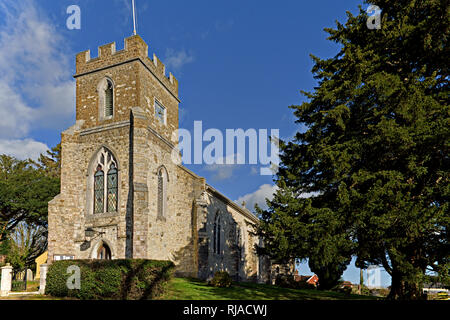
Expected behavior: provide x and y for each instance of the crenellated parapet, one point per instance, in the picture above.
(135, 49)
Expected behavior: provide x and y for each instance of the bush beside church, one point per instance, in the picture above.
(125, 279)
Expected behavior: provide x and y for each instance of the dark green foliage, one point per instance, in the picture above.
(328, 274)
(24, 194)
(221, 279)
(50, 163)
(128, 279)
(374, 152)
(25, 191)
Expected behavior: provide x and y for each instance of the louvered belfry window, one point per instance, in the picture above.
(105, 188)
(109, 99)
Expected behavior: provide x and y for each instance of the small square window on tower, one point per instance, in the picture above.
(160, 112)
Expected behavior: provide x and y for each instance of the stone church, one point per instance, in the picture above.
(122, 195)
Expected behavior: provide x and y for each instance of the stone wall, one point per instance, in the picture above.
(237, 255)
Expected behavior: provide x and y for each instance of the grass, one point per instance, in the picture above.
(194, 289)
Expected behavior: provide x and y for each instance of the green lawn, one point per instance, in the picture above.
(193, 289)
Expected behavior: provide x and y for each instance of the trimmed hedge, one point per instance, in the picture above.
(221, 279)
(127, 279)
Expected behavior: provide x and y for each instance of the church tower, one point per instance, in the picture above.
(111, 85)
(121, 144)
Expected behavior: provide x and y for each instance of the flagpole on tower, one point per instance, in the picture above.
(134, 18)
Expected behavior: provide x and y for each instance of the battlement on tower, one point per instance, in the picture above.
(134, 49)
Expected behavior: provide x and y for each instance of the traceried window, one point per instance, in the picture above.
(160, 112)
(105, 188)
(162, 192)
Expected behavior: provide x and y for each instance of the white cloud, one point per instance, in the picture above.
(177, 59)
(15, 115)
(258, 197)
(223, 171)
(36, 87)
(23, 149)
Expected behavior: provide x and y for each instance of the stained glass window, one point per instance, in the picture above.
(105, 183)
(99, 190)
(112, 189)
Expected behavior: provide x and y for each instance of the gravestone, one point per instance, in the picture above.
(6, 282)
(29, 275)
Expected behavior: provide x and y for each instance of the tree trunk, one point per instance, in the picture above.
(405, 289)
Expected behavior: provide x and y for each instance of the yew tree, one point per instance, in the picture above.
(375, 151)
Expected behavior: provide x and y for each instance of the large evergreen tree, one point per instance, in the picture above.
(374, 152)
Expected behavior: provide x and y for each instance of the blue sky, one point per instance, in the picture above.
(240, 64)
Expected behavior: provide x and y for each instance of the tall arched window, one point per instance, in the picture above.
(238, 248)
(105, 91)
(162, 193)
(216, 235)
(105, 188)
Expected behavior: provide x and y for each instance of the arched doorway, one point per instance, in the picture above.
(104, 252)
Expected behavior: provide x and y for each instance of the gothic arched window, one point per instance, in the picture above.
(162, 192)
(105, 188)
(216, 235)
